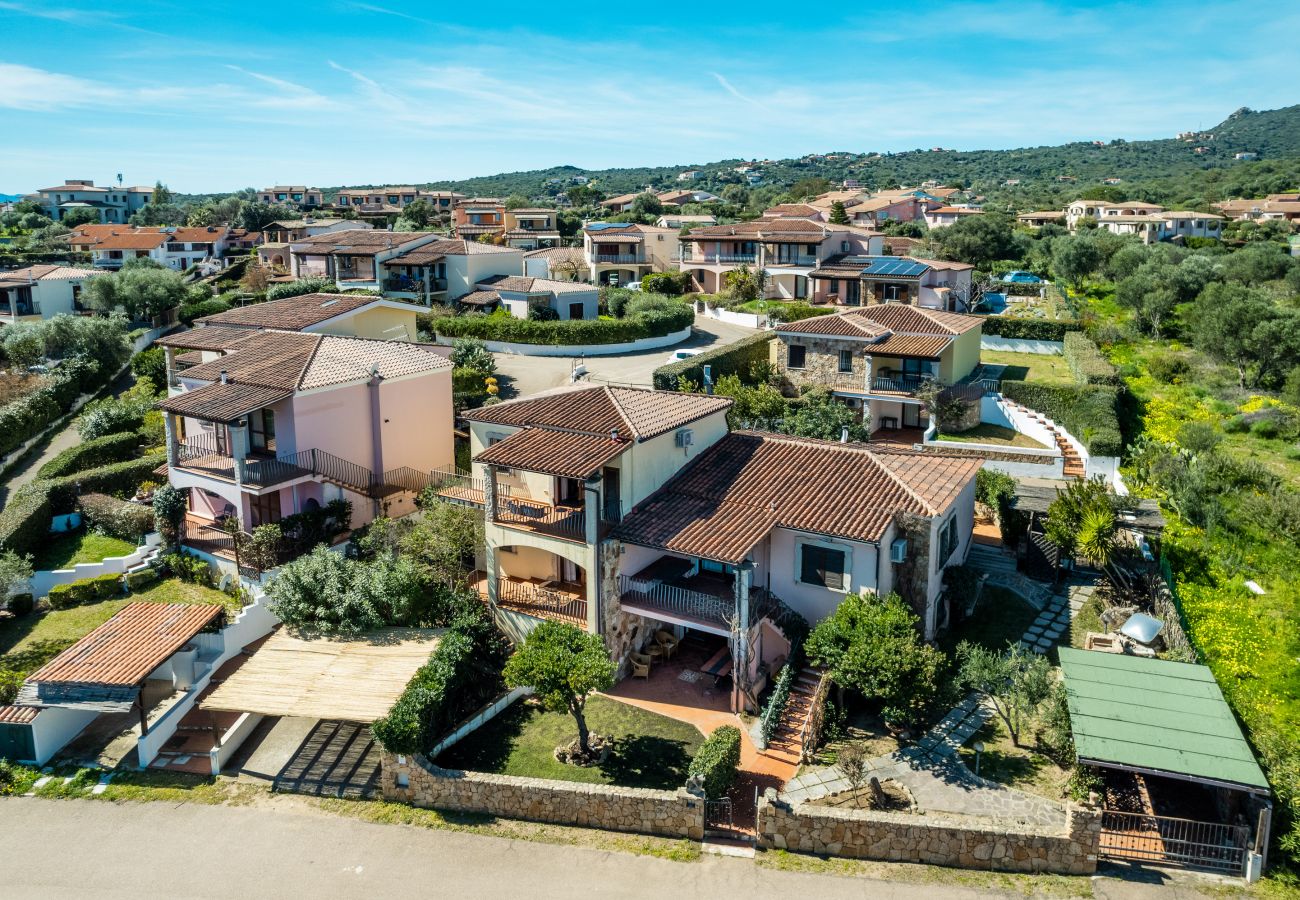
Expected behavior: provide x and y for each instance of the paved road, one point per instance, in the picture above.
(91, 849)
(530, 374)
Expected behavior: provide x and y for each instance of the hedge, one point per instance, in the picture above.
(796, 310)
(119, 518)
(1086, 363)
(717, 760)
(28, 416)
(100, 451)
(85, 590)
(25, 520)
(1089, 412)
(1030, 329)
(651, 324)
(737, 358)
(191, 311)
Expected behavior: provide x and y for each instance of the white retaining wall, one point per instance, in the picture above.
(995, 411)
(113, 565)
(479, 719)
(231, 740)
(654, 343)
(53, 727)
(1021, 345)
(746, 320)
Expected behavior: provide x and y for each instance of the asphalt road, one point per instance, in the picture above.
(530, 374)
(80, 849)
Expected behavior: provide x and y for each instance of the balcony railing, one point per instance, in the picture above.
(403, 284)
(460, 486)
(545, 601)
(565, 522)
(681, 603)
(801, 260)
(715, 259)
(619, 258)
(899, 384)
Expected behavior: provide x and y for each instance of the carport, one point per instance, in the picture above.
(322, 694)
(1163, 733)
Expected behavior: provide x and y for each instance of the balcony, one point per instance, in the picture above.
(566, 522)
(460, 486)
(718, 259)
(619, 258)
(804, 260)
(402, 284)
(205, 455)
(544, 599)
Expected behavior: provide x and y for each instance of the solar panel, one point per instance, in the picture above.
(900, 267)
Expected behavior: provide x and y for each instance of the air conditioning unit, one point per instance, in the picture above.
(685, 437)
(898, 550)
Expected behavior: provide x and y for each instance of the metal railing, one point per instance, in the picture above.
(801, 260)
(1170, 841)
(811, 732)
(676, 601)
(618, 258)
(718, 258)
(403, 284)
(545, 603)
(561, 521)
(900, 384)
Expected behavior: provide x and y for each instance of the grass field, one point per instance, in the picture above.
(82, 546)
(1029, 366)
(984, 433)
(999, 618)
(1022, 768)
(650, 750)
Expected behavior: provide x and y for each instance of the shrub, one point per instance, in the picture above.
(1236, 425)
(169, 506)
(472, 353)
(106, 586)
(1030, 329)
(150, 364)
(994, 489)
(1266, 429)
(27, 416)
(25, 520)
(119, 479)
(191, 311)
(717, 761)
(672, 284)
(737, 358)
(654, 322)
(100, 451)
(61, 597)
(1088, 412)
(21, 604)
(84, 591)
(1169, 368)
(299, 287)
(793, 312)
(121, 519)
(113, 415)
(323, 591)
(137, 580)
(1086, 363)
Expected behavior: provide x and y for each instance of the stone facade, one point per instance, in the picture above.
(417, 781)
(912, 575)
(822, 362)
(623, 631)
(904, 837)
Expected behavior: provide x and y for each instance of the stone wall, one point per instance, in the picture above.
(623, 631)
(821, 362)
(415, 780)
(906, 837)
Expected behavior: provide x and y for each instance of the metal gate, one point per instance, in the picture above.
(1174, 842)
(718, 813)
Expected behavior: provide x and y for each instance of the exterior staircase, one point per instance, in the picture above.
(787, 739)
(1000, 567)
(1074, 465)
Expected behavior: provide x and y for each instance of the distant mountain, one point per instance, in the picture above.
(1200, 166)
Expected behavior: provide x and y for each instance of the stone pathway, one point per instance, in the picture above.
(931, 770)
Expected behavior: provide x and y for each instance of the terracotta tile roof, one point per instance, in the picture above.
(477, 229)
(803, 210)
(557, 253)
(190, 358)
(209, 337)
(339, 360)
(1186, 214)
(18, 715)
(479, 298)
(734, 493)
(267, 358)
(617, 237)
(432, 252)
(903, 319)
(915, 345)
(126, 648)
(600, 410)
(526, 284)
(763, 230)
(48, 273)
(904, 244)
(223, 402)
(130, 240)
(205, 235)
(840, 324)
(955, 211)
(361, 240)
(525, 233)
(567, 454)
(291, 313)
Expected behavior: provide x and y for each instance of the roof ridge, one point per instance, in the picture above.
(622, 413)
(302, 373)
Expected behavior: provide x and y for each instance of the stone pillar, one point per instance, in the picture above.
(170, 354)
(489, 493)
(239, 451)
(173, 442)
(591, 554)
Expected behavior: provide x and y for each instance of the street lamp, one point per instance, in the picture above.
(979, 748)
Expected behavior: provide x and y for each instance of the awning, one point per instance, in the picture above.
(352, 679)
(1158, 717)
(564, 453)
(223, 402)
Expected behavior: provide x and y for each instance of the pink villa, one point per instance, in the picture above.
(787, 249)
(264, 424)
(863, 280)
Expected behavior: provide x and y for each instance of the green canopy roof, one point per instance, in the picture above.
(1158, 716)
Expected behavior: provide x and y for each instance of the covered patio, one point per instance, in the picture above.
(1182, 785)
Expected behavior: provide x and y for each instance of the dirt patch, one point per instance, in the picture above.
(893, 798)
(14, 387)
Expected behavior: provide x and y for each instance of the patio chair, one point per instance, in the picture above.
(668, 642)
(640, 665)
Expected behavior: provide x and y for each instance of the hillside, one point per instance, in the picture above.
(1167, 168)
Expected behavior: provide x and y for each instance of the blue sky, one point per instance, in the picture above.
(213, 96)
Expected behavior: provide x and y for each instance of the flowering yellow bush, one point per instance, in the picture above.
(1165, 415)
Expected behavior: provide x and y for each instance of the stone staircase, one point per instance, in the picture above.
(787, 739)
(1000, 567)
(1074, 465)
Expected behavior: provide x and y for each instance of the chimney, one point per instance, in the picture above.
(225, 377)
(844, 435)
(613, 434)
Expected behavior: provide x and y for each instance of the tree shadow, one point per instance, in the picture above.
(647, 761)
(488, 749)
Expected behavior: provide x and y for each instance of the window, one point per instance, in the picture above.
(947, 540)
(844, 246)
(797, 355)
(846, 360)
(822, 566)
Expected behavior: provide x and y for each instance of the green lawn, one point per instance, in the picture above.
(82, 546)
(28, 642)
(650, 750)
(1022, 768)
(985, 433)
(1039, 367)
(1000, 617)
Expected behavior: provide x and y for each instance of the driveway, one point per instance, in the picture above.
(522, 375)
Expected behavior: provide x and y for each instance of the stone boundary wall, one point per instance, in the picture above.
(933, 840)
(417, 781)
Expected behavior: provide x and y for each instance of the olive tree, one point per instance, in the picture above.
(563, 665)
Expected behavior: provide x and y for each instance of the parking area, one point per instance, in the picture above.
(523, 375)
(324, 758)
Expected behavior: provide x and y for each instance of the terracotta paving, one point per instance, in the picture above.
(987, 532)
